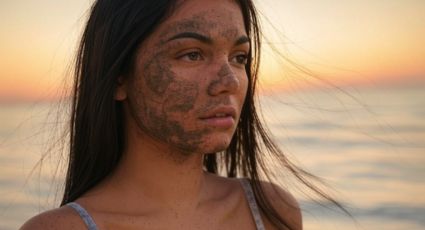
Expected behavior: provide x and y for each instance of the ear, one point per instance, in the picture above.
(121, 90)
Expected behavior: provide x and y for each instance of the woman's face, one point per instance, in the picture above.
(189, 81)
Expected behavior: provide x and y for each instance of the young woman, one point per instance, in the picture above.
(163, 105)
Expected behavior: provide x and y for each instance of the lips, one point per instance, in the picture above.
(225, 111)
(221, 117)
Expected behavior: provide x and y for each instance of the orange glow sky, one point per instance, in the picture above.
(353, 42)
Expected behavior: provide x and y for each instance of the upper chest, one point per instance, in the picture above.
(231, 212)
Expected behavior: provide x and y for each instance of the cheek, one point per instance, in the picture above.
(181, 96)
(163, 103)
(176, 91)
(157, 74)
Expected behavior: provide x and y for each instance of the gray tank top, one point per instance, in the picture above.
(91, 225)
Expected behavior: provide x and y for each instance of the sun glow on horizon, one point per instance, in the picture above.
(351, 42)
(355, 42)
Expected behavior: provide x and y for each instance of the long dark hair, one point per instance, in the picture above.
(107, 51)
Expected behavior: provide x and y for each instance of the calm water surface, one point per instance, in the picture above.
(370, 149)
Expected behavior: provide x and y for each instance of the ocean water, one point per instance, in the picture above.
(367, 144)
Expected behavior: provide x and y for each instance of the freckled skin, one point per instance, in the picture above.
(166, 100)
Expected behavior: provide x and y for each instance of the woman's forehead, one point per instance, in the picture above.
(206, 16)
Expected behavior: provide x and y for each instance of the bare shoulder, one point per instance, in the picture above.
(60, 218)
(284, 203)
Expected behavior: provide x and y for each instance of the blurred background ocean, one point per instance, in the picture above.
(371, 153)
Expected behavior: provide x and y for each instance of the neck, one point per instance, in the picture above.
(159, 174)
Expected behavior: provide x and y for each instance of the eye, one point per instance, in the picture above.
(192, 56)
(240, 59)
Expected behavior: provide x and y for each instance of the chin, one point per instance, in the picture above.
(205, 145)
(214, 145)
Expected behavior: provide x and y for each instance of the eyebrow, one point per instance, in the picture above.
(241, 40)
(204, 39)
(193, 35)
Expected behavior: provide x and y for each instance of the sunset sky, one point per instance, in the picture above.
(354, 41)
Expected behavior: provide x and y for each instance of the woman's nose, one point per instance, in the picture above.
(224, 81)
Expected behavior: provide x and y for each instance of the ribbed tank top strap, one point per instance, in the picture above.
(88, 220)
(252, 204)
